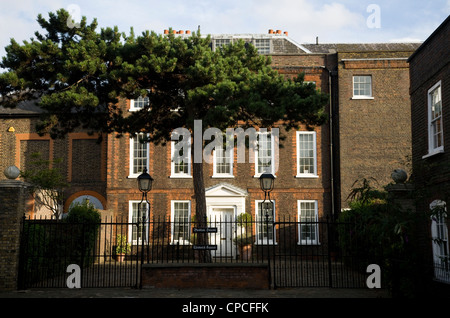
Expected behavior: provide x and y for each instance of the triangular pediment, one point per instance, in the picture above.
(225, 190)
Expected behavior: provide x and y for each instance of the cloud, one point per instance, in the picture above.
(306, 19)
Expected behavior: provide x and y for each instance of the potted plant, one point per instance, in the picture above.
(245, 240)
(122, 247)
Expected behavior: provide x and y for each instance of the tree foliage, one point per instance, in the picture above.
(79, 74)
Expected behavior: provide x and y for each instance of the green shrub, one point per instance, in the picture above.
(83, 222)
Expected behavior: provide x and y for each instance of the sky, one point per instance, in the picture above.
(331, 21)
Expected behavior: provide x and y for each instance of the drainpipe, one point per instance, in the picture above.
(331, 132)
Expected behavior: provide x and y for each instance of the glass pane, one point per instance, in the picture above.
(139, 154)
(181, 224)
(306, 153)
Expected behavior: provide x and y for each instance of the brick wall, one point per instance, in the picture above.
(213, 275)
(429, 65)
(83, 160)
(374, 134)
(12, 209)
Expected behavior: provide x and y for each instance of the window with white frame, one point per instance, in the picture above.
(362, 86)
(265, 216)
(264, 154)
(439, 237)
(435, 133)
(218, 43)
(139, 155)
(181, 222)
(262, 45)
(139, 103)
(223, 162)
(306, 154)
(308, 229)
(181, 159)
(137, 213)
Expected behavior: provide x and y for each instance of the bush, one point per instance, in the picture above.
(385, 233)
(84, 222)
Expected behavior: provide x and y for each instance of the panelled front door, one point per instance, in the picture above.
(222, 218)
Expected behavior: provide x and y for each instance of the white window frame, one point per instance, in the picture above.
(432, 148)
(364, 96)
(132, 219)
(301, 224)
(220, 42)
(184, 241)
(187, 174)
(308, 174)
(263, 45)
(440, 244)
(260, 222)
(272, 150)
(133, 174)
(221, 174)
(134, 102)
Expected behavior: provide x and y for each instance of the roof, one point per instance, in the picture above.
(361, 47)
(25, 108)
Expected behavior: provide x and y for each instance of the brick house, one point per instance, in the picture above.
(430, 110)
(370, 112)
(302, 186)
(315, 169)
(83, 159)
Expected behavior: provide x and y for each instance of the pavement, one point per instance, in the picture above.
(211, 302)
(195, 293)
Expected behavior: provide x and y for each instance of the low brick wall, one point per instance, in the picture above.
(213, 275)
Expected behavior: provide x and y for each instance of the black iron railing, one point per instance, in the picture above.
(299, 254)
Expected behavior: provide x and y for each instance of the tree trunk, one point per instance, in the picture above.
(200, 207)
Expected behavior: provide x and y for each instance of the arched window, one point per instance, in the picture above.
(439, 238)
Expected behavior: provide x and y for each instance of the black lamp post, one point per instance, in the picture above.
(267, 181)
(145, 182)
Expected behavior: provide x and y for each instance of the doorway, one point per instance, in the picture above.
(222, 218)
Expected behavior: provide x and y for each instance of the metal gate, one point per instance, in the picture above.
(299, 254)
(54, 252)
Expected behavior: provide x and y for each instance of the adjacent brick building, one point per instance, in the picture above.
(368, 135)
(430, 110)
(370, 112)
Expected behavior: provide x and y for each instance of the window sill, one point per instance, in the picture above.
(436, 152)
(222, 177)
(362, 97)
(307, 176)
(180, 177)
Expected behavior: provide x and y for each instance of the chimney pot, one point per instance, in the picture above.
(278, 31)
(286, 33)
(166, 31)
(188, 32)
(270, 31)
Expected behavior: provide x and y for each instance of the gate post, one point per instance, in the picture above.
(13, 194)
